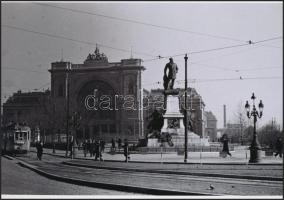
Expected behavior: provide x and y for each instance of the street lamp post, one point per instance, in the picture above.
(76, 118)
(185, 111)
(255, 146)
(67, 111)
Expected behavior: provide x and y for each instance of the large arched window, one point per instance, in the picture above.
(100, 90)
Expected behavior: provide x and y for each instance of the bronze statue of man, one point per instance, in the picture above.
(169, 78)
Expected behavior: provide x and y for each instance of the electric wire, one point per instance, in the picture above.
(147, 24)
(74, 40)
(214, 49)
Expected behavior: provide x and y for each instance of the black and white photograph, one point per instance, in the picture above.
(141, 99)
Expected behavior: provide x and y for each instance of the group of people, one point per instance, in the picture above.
(94, 147)
(278, 146)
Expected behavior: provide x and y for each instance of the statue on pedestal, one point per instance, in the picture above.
(169, 78)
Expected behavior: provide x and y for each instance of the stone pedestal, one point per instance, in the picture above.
(173, 119)
(173, 124)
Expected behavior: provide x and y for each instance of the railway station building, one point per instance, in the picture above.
(106, 98)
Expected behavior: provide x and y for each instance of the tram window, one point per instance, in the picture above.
(24, 135)
(17, 135)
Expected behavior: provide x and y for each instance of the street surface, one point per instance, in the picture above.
(184, 178)
(17, 180)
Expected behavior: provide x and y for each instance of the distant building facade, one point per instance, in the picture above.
(234, 132)
(211, 126)
(195, 106)
(106, 95)
(30, 108)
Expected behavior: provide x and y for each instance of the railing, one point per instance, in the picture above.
(176, 149)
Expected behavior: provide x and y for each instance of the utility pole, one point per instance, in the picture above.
(185, 112)
(67, 110)
(241, 124)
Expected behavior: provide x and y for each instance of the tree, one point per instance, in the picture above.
(53, 120)
(268, 134)
(247, 135)
(240, 117)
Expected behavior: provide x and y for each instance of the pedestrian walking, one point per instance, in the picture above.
(39, 148)
(279, 147)
(225, 141)
(102, 145)
(126, 150)
(119, 143)
(112, 145)
(85, 148)
(89, 146)
(71, 144)
(92, 147)
(98, 153)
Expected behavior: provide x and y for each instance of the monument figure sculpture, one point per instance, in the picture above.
(169, 78)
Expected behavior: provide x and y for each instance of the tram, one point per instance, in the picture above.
(16, 139)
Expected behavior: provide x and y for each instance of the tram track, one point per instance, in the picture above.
(176, 172)
(153, 182)
(107, 172)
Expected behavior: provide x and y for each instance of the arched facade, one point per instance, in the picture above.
(98, 79)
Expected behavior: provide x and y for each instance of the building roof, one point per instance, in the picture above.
(210, 115)
(26, 97)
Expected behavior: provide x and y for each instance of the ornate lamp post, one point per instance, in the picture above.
(255, 146)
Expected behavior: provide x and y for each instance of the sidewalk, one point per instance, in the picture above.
(238, 157)
(257, 179)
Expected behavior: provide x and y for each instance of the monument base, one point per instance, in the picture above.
(192, 140)
(178, 141)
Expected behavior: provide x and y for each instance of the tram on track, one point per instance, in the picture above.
(16, 139)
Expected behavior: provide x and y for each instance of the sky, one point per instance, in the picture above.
(35, 34)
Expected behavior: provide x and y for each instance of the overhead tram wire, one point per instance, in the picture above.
(235, 69)
(124, 50)
(180, 81)
(215, 49)
(74, 40)
(147, 24)
(42, 86)
(139, 22)
(229, 79)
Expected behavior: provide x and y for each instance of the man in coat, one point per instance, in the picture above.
(225, 141)
(126, 150)
(279, 147)
(169, 79)
(39, 148)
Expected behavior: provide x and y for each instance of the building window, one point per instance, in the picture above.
(96, 130)
(60, 90)
(104, 128)
(131, 87)
(112, 128)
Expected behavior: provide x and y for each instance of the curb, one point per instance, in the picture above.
(126, 188)
(166, 162)
(8, 157)
(180, 173)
